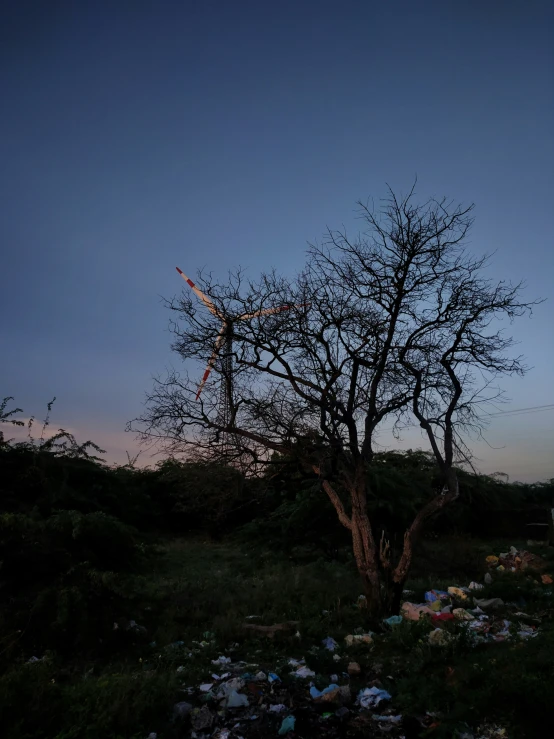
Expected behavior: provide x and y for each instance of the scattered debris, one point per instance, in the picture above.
(355, 638)
(330, 644)
(439, 637)
(202, 718)
(353, 668)
(413, 612)
(303, 672)
(221, 661)
(393, 620)
(370, 697)
(287, 725)
(387, 719)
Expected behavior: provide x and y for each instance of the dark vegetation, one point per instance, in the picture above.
(171, 553)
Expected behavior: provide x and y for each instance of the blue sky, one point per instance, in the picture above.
(137, 136)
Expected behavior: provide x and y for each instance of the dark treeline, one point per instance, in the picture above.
(69, 525)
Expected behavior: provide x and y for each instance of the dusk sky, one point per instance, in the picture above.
(140, 136)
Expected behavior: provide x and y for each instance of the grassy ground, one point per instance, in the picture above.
(194, 602)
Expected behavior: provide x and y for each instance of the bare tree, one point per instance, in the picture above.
(398, 324)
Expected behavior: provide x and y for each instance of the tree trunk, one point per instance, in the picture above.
(382, 583)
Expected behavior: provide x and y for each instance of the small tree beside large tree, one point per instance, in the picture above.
(400, 324)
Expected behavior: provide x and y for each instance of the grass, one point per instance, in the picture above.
(200, 593)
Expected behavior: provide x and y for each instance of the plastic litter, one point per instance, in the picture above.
(206, 687)
(438, 638)
(353, 668)
(221, 661)
(438, 617)
(457, 593)
(393, 620)
(273, 678)
(303, 672)
(235, 684)
(336, 657)
(330, 644)
(476, 586)
(488, 578)
(287, 725)
(152, 735)
(235, 700)
(546, 579)
(202, 718)
(260, 677)
(370, 697)
(462, 614)
(315, 693)
(388, 719)
(358, 638)
(413, 612)
(277, 708)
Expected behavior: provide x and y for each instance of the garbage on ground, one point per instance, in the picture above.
(330, 644)
(476, 586)
(287, 725)
(413, 612)
(206, 687)
(358, 638)
(303, 672)
(393, 620)
(234, 700)
(182, 709)
(370, 697)
(202, 718)
(433, 599)
(33, 660)
(546, 579)
(439, 637)
(462, 614)
(315, 693)
(353, 668)
(515, 560)
(438, 617)
(488, 578)
(277, 708)
(457, 593)
(273, 678)
(221, 661)
(222, 734)
(387, 719)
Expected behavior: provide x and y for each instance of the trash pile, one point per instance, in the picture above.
(243, 700)
(485, 617)
(246, 700)
(515, 561)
